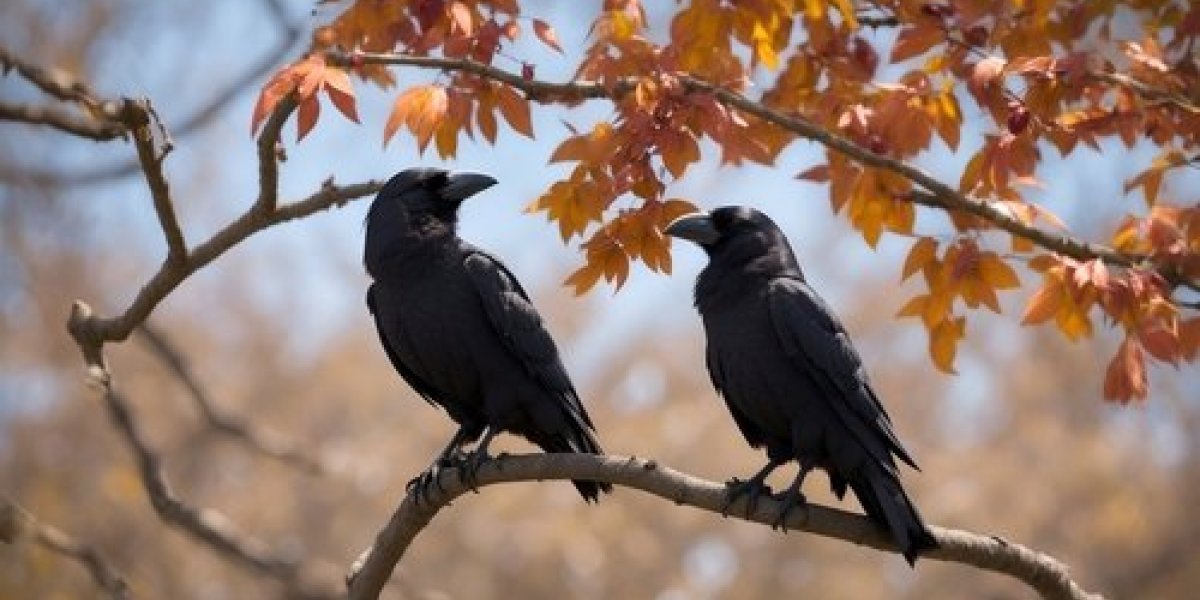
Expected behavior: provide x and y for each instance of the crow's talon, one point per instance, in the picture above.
(790, 500)
(752, 489)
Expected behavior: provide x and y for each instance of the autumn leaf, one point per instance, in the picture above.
(515, 110)
(306, 79)
(943, 343)
(421, 109)
(1125, 378)
(920, 256)
(546, 33)
(914, 41)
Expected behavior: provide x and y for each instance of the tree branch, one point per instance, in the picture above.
(51, 116)
(205, 525)
(291, 32)
(1146, 91)
(139, 116)
(1043, 573)
(17, 523)
(263, 441)
(946, 196)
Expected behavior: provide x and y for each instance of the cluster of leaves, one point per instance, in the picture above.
(1047, 75)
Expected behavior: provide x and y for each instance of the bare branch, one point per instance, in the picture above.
(946, 196)
(100, 131)
(208, 526)
(291, 32)
(263, 441)
(1049, 577)
(56, 82)
(17, 523)
(139, 116)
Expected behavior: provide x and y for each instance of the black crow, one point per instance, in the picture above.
(790, 376)
(461, 331)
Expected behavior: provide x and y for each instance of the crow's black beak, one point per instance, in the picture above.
(464, 185)
(697, 227)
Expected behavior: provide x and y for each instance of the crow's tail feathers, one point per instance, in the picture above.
(580, 440)
(888, 506)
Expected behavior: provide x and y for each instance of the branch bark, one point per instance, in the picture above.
(17, 523)
(945, 195)
(1049, 577)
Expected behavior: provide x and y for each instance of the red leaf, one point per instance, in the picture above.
(306, 116)
(818, 174)
(546, 33)
(515, 110)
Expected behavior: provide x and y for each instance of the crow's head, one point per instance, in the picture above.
(738, 237)
(417, 204)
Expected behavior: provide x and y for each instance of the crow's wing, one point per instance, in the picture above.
(816, 342)
(414, 381)
(518, 324)
(754, 436)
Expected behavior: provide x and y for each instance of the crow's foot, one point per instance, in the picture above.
(752, 489)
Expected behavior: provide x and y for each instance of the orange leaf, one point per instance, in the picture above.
(1044, 304)
(515, 110)
(1125, 378)
(915, 306)
(584, 279)
(996, 273)
(915, 41)
(460, 15)
(341, 93)
(546, 33)
(921, 254)
(673, 209)
(818, 174)
(943, 342)
(422, 109)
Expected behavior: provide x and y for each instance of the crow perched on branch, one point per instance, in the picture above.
(790, 376)
(462, 332)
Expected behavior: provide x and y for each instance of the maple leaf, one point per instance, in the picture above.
(421, 108)
(305, 78)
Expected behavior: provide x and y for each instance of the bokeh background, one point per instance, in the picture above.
(1019, 444)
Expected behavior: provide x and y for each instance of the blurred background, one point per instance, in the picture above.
(1019, 444)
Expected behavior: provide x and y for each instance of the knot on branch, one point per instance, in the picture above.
(83, 329)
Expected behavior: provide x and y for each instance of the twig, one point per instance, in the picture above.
(17, 523)
(206, 525)
(1043, 573)
(949, 198)
(52, 116)
(263, 441)
(291, 31)
(141, 119)
(1147, 91)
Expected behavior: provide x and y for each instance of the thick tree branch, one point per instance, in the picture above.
(17, 523)
(264, 441)
(1049, 577)
(945, 196)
